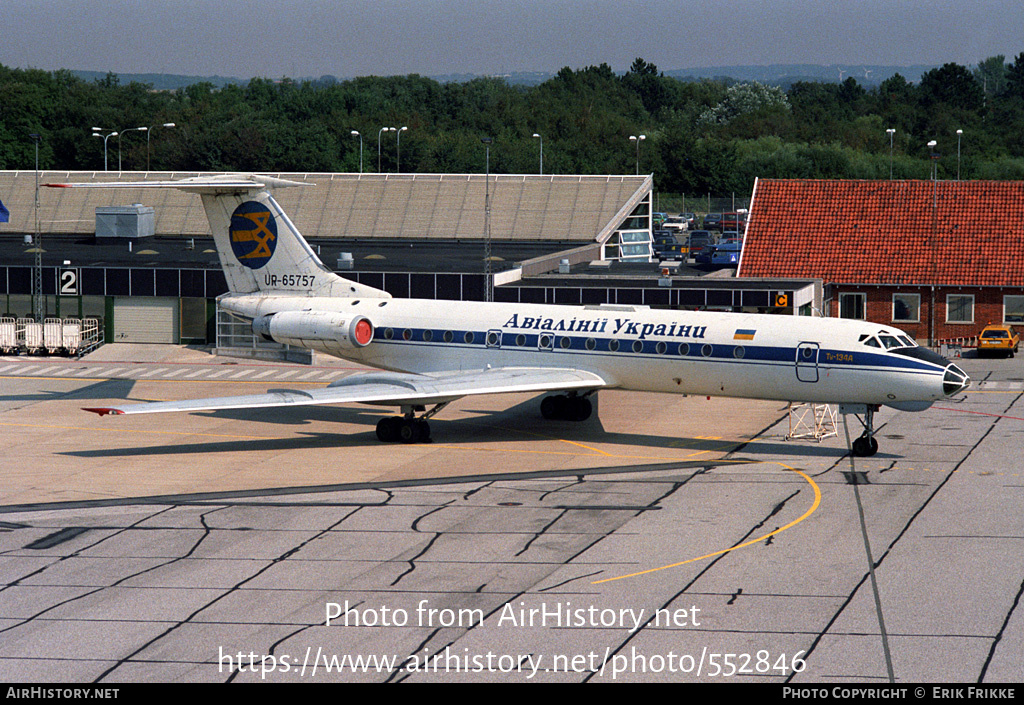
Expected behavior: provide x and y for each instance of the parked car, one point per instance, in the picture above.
(734, 221)
(724, 253)
(690, 219)
(699, 241)
(666, 246)
(713, 221)
(998, 340)
(675, 222)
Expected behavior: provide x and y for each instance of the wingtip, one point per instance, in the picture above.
(103, 411)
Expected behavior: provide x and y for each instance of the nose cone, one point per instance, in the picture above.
(954, 381)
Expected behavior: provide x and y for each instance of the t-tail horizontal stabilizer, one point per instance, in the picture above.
(260, 249)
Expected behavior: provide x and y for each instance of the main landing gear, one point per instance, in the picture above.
(566, 407)
(407, 428)
(866, 445)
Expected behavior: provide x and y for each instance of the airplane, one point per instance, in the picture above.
(430, 353)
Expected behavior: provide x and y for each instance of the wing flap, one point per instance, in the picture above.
(389, 389)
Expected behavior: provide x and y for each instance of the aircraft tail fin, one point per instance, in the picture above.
(260, 249)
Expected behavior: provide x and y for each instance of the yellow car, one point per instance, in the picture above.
(998, 340)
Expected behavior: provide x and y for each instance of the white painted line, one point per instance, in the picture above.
(242, 373)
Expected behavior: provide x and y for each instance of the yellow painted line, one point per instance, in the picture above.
(60, 379)
(147, 379)
(597, 454)
(814, 507)
(725, 444)
(131, 430)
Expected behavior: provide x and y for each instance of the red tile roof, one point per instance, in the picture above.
(968, 233)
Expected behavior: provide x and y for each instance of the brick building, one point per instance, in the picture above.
(939, 259)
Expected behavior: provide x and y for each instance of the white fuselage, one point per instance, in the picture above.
(784, 358)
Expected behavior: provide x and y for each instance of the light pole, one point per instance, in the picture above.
(398, 141)
(96, 133)
(149, 131)
(537, 135)
(891, 132)
(356, 134)
(959, 134)
(37, 277)
(130, 129)
(488, 281)
(932, 243)
(638, 140)
(381, 130)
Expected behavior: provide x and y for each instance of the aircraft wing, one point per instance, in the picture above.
(389, 389)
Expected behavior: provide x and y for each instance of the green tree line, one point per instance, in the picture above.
(700, 136)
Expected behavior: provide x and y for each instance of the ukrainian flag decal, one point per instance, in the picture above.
(253, 234)
(744, 334)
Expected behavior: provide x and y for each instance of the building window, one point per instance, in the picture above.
(959, 308)
(1013, 309)
(906, 308)
(852, 306)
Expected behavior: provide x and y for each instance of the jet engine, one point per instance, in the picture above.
(315, 329)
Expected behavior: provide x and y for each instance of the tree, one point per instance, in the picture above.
(952, 85)
(745, 98)
(991, 74)
(1015, 77)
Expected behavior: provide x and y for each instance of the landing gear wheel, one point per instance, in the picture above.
(398, 428)
(553, 408)
(865, 446)
(387, 429)
(580, 409)
(414, 431)
(564, 408)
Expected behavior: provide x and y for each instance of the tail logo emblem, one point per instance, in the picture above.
(253, 234)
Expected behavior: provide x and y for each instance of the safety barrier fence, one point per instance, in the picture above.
(72, 337)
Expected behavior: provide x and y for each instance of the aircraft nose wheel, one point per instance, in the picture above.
(865, 446)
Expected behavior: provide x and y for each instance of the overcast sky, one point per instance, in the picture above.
(308, 38)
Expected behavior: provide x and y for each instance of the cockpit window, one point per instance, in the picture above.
(907, 341)
(870, 341)
(890, 342)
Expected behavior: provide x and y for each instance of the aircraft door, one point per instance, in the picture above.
(807, 362)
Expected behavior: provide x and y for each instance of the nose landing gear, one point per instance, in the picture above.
(866, 445)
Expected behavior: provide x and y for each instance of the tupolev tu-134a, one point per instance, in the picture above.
(431, 353)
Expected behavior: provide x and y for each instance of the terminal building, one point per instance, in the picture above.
(937, 259)
(142, 261)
